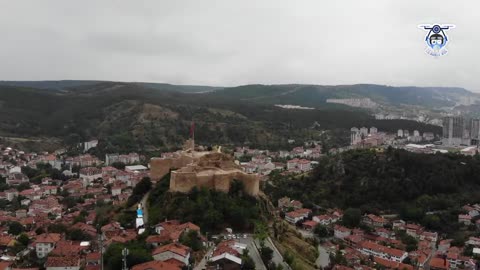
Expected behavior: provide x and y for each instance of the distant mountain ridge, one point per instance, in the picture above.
(296, 94)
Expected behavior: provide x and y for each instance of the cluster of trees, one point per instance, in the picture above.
(393, 181)
(211, 210)
(43, 170)
(138, 252)
(139, 191)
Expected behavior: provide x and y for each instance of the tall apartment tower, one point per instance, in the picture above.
(455, 131)
(475, 131)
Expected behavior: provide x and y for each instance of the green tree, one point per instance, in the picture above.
(78, 235)
(266, 254)
(15, 228)
(138, 253)
(247, 261)
(23, 239)
(57, 228)
(139, 191)
(192, 240)
(118, 165)
(351, 217)
(260, 232)
(321, 231)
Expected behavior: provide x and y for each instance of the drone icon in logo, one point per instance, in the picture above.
(436, 38)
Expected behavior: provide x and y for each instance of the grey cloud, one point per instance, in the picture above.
(237, 42)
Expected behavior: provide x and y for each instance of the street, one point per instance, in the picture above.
(277, 256)
(253, 252)
(323, 259)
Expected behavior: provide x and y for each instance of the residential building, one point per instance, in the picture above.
(383, 252)
(44, 243)
(173, 251)
(63, 263)
(297, 215)
(341, 232)
(90, 173)
(374, 221)
(157, 265)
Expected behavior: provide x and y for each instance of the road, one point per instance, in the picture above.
(253, 252)
(323, 259)
(277, 256)
(144, 203)
(203, 262)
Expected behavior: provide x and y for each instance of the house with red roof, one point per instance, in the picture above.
(5, 265)
(341, 232)
(383, 252)
(89, 174)
(63, 263)
(157, 265)
(439, 264)
(297, 215)
(44, 243)
(465, 219)
(374, 220)
(225, 256)
(309, 225)
(93, 258)
(170, 230)
(67, 248)
(171, 253)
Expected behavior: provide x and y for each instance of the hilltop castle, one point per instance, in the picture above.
(208, 169)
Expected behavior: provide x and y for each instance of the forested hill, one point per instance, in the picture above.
(135, 117)
(395, 181)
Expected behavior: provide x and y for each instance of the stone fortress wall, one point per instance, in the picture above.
(203, 169)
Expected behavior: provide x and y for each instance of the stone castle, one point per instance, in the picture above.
(208, 169)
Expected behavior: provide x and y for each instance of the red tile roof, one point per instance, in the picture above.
(173, 247)
(48, 238)
(439, 263)
(382, 249)
(62, 261)
(156, 265)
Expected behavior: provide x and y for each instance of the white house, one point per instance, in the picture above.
(174, 251)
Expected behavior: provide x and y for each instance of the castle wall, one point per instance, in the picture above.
(215, 171)
(220, 181)
(160, 167)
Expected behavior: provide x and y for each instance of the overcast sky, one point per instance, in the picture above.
(239, 42)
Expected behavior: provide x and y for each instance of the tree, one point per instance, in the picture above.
(139, 191)
(39, 231)
(15, 228)
(57, 228)
(192, 240)
(321, 231)
(78, 235)
(118, 165)
(23, 239)
(137, 254)
(247, 261)
(260, 232)
(266, 254)
(23, 186)
(351, 217)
